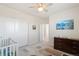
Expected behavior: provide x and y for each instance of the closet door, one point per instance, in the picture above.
(34, 33)
(18, 31)
(22, 34)
(2, 28)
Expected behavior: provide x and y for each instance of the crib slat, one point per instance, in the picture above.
(13, 50)
(0, 52)
(10, 50)
(16, 49)
(2, 43)
(6, 51)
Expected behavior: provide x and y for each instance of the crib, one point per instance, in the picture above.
(8, 47)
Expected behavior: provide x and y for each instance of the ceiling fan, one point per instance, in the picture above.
(41, 6)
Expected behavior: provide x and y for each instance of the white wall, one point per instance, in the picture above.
(13, 24)
(72, 13)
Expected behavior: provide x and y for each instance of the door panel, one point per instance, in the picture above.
(34, 33)
(18, 31)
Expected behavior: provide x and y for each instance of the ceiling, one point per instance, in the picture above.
(25, 7)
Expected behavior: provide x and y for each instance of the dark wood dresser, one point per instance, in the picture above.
(67, 45)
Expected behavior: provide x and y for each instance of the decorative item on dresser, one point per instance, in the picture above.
(67, 45)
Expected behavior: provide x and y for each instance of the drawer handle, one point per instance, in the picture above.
(74, 42)
(74, 51)
(74, 47)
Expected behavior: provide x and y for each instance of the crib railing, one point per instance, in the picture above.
(8, 47)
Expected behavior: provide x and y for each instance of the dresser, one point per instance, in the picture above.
(67, 45)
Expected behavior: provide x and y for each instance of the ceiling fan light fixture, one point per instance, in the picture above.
(40, 9)
(41, 6)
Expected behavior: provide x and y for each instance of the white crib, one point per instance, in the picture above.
(8, 47)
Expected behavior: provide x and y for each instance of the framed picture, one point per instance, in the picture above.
(34, 27)
(65, 24)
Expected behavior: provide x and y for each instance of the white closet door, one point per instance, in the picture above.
(22, 34)
(2, 28)
(18, 31)
(34, 33)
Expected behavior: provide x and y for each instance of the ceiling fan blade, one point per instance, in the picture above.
(50, 4)
(31, 7)
(46, 10)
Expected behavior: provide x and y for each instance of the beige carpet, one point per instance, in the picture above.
(50, 52)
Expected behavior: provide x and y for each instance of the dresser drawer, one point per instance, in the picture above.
(75, 44)
(75, 52)
(67, 45)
